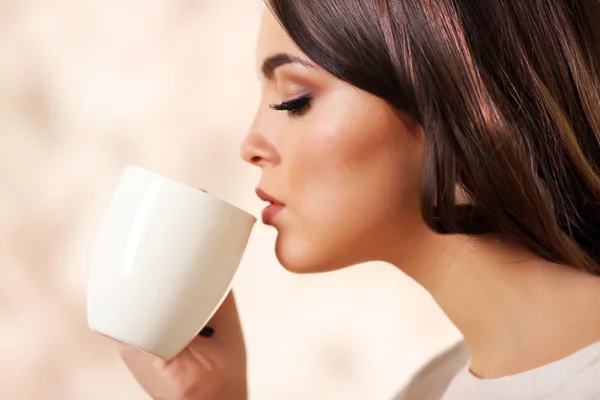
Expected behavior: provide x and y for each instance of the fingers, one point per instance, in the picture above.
(144, 367)
(134, 357)
(226, 343)
(226, 316)
(225, 324)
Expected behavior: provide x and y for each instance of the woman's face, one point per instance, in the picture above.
(345, 166)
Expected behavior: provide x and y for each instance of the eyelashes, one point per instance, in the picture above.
(295, 106)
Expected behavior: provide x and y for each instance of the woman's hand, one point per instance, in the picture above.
(210, 368)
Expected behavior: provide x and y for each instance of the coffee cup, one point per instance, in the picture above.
(164, 261)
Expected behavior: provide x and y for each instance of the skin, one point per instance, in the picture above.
(322, 163)
(349, 171)
(208, 369)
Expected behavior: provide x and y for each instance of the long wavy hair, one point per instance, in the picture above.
(507, 93)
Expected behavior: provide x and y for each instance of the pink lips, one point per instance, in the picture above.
(274, 207)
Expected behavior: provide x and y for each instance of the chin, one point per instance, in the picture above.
(306, 259)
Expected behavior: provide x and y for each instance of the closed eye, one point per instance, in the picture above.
(295, 106)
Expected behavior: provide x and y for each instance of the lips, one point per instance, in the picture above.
(273, 208)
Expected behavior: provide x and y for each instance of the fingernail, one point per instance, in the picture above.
(207, 332)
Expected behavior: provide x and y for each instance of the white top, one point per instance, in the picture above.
(447, 377)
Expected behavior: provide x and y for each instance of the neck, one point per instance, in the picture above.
(515, 311)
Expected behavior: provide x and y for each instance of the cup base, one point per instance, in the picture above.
(137, 346)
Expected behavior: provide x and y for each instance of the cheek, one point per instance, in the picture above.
(350, 176)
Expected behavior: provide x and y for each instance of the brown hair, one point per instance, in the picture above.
(508, 94)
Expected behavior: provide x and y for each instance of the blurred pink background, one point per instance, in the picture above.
(170, 85)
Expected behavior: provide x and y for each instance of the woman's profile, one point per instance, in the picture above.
(458, 141)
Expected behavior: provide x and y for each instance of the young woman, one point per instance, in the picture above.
(457, 140)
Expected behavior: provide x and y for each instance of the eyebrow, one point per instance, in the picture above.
(270, 64)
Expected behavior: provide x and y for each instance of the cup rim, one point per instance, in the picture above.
(185, 185)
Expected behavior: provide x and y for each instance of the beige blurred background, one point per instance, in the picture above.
(87, 86)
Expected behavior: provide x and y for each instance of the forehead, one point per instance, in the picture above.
(273, 39)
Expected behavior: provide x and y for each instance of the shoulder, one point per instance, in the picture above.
(431, 381)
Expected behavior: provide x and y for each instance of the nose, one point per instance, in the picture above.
(257, 149)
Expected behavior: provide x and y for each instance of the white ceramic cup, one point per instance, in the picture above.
(164, 261)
